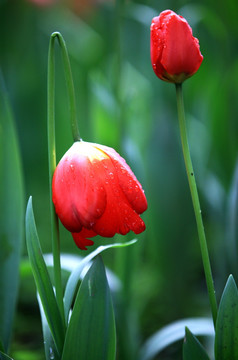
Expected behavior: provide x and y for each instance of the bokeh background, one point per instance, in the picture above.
(122, 104)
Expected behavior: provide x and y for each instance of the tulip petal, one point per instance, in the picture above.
(128, 183)
(175, 53)
(119, 216)
(81, 240)
(96, 193)
(181, 52)
(78, 194)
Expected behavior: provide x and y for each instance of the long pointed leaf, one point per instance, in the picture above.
(192, 349)
(75, 276)
(226, 340)
(50, 349)
(91, 330)
(11, 217)
(42, 280)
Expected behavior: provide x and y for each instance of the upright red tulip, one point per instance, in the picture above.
(175, 53)
(96, 193)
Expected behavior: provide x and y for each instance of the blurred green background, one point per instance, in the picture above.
(122, 104)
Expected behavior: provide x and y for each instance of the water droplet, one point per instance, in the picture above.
(111, 175)
(52, 355)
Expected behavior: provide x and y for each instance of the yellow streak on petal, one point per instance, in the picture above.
(90, 150)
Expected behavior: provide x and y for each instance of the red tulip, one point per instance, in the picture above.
(96, 193)
(175, 53)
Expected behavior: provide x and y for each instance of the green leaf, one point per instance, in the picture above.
(91, 330)
(50, 349)
(192, 349)
(226, 339)
(232, 223)
(4, 356)
(11, 218)
(1, 346)
(42, 280)
(74, 278)
(174, 332)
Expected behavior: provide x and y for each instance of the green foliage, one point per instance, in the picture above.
(49, 344)
(226, 339)
(11, 218)
(166, 260)
(4, 356)
(174, 332)
(42, 280)
(91, 330)
(192, 349)
(74, 278)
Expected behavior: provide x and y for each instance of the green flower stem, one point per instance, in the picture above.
(119, 11)
(69, 81)
(123, 258)
(52, 165)
(196, 204)
(52, 150)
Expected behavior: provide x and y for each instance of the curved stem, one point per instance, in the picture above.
(52, 150)
(119, 11)
(69, 82)
(52, 166)
(196, 203)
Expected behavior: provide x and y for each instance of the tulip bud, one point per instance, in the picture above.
(175, 53)
(96, 193)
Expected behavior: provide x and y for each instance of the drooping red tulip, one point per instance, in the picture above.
(96, 193)
(175, 53)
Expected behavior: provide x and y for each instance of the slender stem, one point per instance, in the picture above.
(70, 84)
(52, 166)
(52, 151)
(196, 204)
(119, 11)
(123, 258)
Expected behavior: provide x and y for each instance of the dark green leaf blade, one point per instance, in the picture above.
(226, 339)
(1, 346)
(4, 356)
(74, 278)
(192, 348)
(42, 280)
(91, 330)
(11, 218)
(49, 345)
